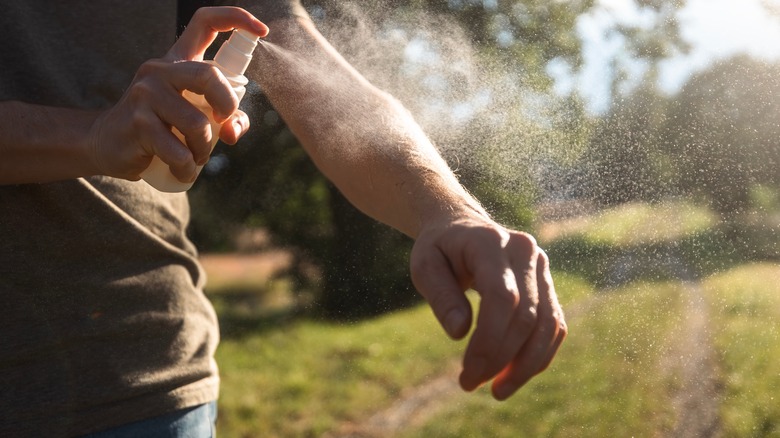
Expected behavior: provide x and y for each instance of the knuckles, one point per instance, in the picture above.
(141, 122)
(527, 317)
(193, 122)
(146, 84)
(508, 299)
(207, 73)
(420, 265)
(149, 68)
(523, 243)
(214, 83)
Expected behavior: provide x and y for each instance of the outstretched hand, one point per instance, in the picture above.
(126, 137)
(520, 324)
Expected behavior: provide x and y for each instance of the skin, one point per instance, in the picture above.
(360, 137)
(386, 166)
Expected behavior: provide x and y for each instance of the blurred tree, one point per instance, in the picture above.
(772, 7)
(644, 41)
(723, 133)
(624, 161)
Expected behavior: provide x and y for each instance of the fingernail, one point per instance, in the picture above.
(237, 128)
(454, 321)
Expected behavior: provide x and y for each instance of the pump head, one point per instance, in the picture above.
(235, 54)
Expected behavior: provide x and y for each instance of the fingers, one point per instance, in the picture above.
(433, 277)
(155, 105)
(520, 324)
(166, 110)
(199, 78)
(505, 279)
(204, 26)
(161, 86)
(181, 72)
(542, 345)
(234, 128)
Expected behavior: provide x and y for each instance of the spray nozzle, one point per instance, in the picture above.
(235, 54)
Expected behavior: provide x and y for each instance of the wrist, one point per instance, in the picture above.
(79, 143)
(465, 212)
(44, 144)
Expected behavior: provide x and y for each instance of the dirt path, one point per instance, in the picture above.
(412, 409)
(254, 268)
(419, 404)
(693, 364)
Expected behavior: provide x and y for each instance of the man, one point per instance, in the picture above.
(106, 326)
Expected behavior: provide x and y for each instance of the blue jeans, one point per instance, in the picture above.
(196, 422)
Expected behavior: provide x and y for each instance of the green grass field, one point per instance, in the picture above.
(286, 375)
(746, 327)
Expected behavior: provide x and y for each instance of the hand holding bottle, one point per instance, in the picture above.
(125, 138)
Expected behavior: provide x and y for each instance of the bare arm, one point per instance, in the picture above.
(371, 148)
(360, 137)
(42, 144)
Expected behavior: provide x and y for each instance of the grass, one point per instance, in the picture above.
(635, 224)
(658, 242)
(305, 377)
(284, 374)
(746, 328)
(604, 382)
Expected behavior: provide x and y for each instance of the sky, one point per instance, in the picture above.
(715, 29)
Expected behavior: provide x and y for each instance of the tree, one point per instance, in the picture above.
(624, 161)
(723, 133)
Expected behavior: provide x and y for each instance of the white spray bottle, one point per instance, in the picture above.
(231, 59)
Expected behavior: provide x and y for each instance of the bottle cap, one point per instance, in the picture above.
(235, 54)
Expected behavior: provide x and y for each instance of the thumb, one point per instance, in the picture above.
(434, 279)
(235, 127)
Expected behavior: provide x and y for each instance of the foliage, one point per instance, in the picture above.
(291, 375)
(656, 241)
(474, 75)
(714, 141)
(643, 223)
(723, 132)
(623, 162)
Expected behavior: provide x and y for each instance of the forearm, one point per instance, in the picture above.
(43, 144)
(360, 137)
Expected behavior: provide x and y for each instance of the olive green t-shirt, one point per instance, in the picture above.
(104, 317)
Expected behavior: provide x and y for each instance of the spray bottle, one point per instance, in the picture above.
(231, 59)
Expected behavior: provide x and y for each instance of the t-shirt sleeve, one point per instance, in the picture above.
(270, 10)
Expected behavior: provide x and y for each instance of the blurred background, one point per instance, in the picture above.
(638, 140)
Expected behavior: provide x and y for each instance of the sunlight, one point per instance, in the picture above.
(718, 29)
(714, 29)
